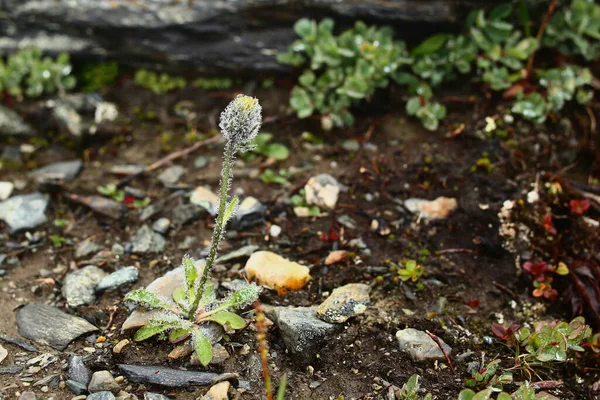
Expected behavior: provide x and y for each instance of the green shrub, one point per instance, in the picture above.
(158, 83)
(28, 73)
(96, 76)
(576, 30)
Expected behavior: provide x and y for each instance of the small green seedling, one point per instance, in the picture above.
(213, 83)
(111, 190)
(524, 392)
(158, 83)
(269, 176)
(410, 390)
(194, 304)
(487, 377)
(262, 147)
(411, 271)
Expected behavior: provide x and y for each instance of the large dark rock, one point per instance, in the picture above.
(205, 35)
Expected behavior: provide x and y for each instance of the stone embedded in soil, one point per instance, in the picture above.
(163, 287)
(183, 214)
(3, 354)
(206, 199)
(121, 277)
(86, 248)
(11, 124)
(6, 189)
(126, 169)
(169, 377)
(218, 392)
(344, 302)
(420, 346)
(61, 171)
(52, 381)
(302, 332)
(146, 240)
(106, 395)
(154, 396)
(28, 395)
(120, 346)
(16, 341)
(251, 212)
(351, 145)
(78, 371)
(48, 325)
(11, 369)
(171, 175)
(79, 287)
(103, 381)
(439, 208)
(337, 256)
(161, 225)
(322, 191)
(25, 211)
(275, 272)
(68, 117)
(100, 204)
(245, 251)
(75, 387)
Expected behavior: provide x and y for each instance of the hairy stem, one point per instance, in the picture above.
(226, 177)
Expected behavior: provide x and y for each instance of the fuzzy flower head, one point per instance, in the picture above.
(241, 120)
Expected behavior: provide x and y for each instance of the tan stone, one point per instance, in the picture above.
(336, 257)
(218, 391)
(120, 346)
(275, 272)
(439, 208)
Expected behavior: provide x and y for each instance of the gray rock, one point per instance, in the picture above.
(206, 199)
(23, 212)
(101, 396)
(118, 278)
(171, 175)
(78, 371)
(302, 332)
(200, 35)
(79, 287)
(68, 117)
(117, 249)
(169, 377)
(103, 381)
(186, 213)
(161, 225)
(52, 381)
(28, 395)
(86, 248)
(154, 396)
(16, 341)
(146, 240)
(200, 162)
(11, 369)
(245, 251)
(344, 302)
(347, 221)
(62, 171)
(48, 325)
(351, 145)
(251, 212)
(76, 388)
(12, 124)
(420, 346)
(6, 189)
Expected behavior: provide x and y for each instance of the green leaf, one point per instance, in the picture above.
(305, 27)
(247, 294)
(149, 330)
(230, 209)
(484, 394)
(307, 78)
(430, 45)
(228, 320)
(179, 334)
(413, 105)
(282, 386)
(147, 299)
(523, 13)
(191, 273)
(278, 151)
(180, 297)
(466, 394)
(202, 347)
(501, 12)
(504, 396)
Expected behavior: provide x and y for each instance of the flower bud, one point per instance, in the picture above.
(241, 120)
